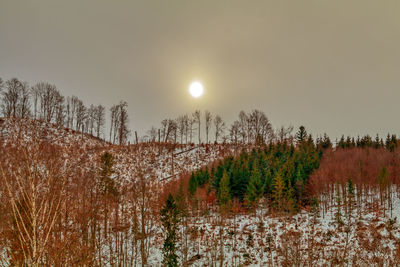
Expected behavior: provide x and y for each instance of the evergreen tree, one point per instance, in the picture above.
(192, 184)
(278, 193)
(180, 200)
(301, 134)
(341, 143)
(290, 199)
(350, 192)
(224, 196)
(383, 182)
(170, 220)
(255, 188)
(338, 213)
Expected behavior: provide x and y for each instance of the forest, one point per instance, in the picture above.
(72, 195)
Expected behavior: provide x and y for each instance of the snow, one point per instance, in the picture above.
(260, 239)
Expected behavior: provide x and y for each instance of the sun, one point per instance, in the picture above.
(196, 89)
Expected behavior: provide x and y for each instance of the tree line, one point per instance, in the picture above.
(249, 128)
(44, 101)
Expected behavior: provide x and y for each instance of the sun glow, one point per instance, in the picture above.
(196, 89)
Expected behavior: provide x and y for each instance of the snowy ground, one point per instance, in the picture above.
(244, 240)
(300, 240)
(159, 162)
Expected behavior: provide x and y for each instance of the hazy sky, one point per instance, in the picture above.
(332, 65)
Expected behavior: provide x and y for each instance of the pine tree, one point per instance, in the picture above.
(301, 134)
(170, 220)
(181, 201)
(278, 193)
(224, 196)
(338, 213)
(192, 184)
(290, 199)
(350, 192)
(255, 188)
(383, 182)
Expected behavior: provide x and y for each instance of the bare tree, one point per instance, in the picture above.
(11, 97)
(113, 115)
(181, 124)
(284, 133)
(123, 131)
(208, 123)
(59, 109)
(243, 120)
(80, 116)
(234, 132)
(99, 119)
(34, 179)
(72, 103)
(119, 123)
(219, 127)
(35, 92)
(197, 119)
(169, 129)
(152, 134)
(91, 113)
(190, 123)
(24, 107)
(260, 127)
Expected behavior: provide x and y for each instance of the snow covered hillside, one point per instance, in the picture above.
(160, 162)
(307, 239)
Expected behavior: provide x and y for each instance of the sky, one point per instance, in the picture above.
(330, 65)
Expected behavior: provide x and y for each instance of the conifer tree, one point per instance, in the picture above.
(383, 182)
(193, 184)
(301, 134)
(180, 200)
(341, 142)
(170, 220)
(290, 199)
(350, 192)
(224, 196)
(255, 188)
(278, 193)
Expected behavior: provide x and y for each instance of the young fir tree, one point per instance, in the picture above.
(278, 193)
(170, 220)
(255, 188)
(181, 202)
(224, 196)
(193, 184)
(350, 193)
(383, 182)
(290, 199)
(338, 213)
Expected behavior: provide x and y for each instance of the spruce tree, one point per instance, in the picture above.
(301, 134)
(350, 192)
(255, 188)
(170, 220)
(224, 196)
(290, 199)
(192, 184)
(278, 193)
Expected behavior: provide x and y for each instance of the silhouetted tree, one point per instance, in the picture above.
(208, 121)
(219, 127)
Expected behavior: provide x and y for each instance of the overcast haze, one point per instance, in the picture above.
(333, 66)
